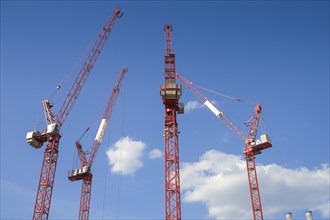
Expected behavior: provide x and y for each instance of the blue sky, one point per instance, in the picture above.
(275, 53)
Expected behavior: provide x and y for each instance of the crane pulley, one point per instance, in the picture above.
(51, 134)
(84, 173)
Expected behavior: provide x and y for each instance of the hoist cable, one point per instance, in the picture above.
(217, 93)
(75, 158)
(262, 124)
(223, 95)
(119, 183)
(38, 122)
(71, 71)
(105, 191)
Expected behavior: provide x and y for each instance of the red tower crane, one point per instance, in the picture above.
(52, 135)
(85, 173)
(252, 145)
(170, 93)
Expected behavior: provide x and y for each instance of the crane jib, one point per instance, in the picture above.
(86, 69)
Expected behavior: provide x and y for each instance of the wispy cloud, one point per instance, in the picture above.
(220, 181)
(155, 153)
(226, 137)
(125, 156)
(192, 105)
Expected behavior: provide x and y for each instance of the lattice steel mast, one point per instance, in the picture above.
(171, 92)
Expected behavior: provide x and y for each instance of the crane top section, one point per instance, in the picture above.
(87, 67)
(54, 124)
(170, 91)
(78, 174)
(168, 39)
(169, 56)
(252, 143)
(115, 92)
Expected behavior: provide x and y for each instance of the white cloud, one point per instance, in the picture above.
(155, 153)
(226, 137)
(125, 156)
(219, 181)
(191, 105)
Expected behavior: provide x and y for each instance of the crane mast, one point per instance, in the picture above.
(85, 173)
(51, 134)
(171, 93)
(252, 145)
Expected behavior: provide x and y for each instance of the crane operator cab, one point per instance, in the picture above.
(262, 143)
(77, 174)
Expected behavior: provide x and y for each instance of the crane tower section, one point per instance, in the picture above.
(171, 93)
